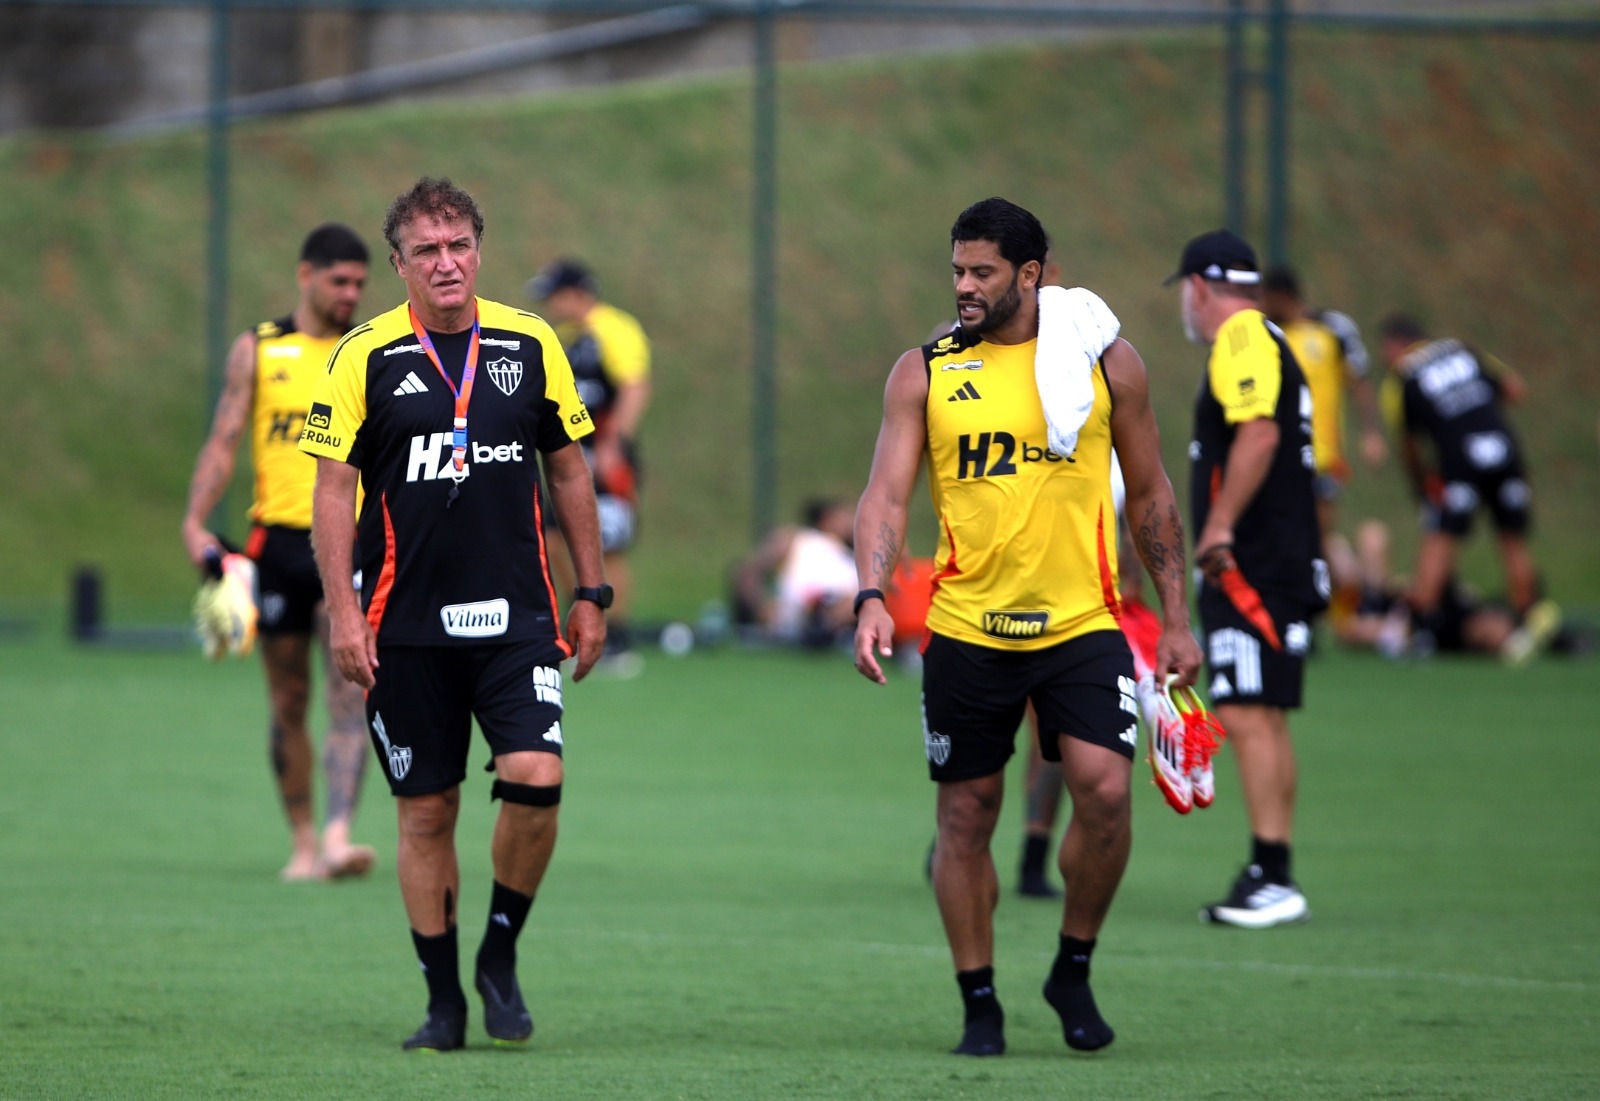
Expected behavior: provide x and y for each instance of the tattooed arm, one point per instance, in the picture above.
(213, 469)
(1151, 507)
(881, 514)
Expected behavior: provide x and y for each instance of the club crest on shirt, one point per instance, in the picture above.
(506, 373)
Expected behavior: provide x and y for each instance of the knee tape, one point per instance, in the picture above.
(527, 795)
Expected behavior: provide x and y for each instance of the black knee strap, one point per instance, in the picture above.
(527, 795)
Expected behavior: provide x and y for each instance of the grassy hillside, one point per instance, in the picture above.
(1451, 176)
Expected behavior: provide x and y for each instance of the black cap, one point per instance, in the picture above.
(1221, 255)
(558, 275)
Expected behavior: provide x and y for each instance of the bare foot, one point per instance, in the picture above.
(303, 868)
(350, 862)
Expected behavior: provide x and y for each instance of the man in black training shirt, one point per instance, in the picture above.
(1461, 455)
(442, 408)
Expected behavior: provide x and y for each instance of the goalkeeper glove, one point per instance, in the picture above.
(225, 607)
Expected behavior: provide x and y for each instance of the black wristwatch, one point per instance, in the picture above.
(601, 595)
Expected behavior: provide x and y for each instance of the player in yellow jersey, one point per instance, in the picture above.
(610, 357)
(1328, 346)
(271, 373)
(1025, 600)
(1258, 546)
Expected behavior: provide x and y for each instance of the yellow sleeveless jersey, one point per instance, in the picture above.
(1321, 357)
(1027, 538)
(288, 365)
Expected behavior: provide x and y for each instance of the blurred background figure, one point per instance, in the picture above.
(271, 373)
(1328, 346)
(1463, 624)
(610, 357)
(1461, 455)
(797, 586)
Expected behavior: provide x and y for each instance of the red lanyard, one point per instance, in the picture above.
(458, 452)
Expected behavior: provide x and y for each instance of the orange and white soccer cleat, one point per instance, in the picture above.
(1184, 736)
(1168, 744)
(1202, 736)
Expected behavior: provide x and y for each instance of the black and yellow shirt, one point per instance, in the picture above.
(1320, 354)
(288, 366)
(1453, 397)
(1252, 374)
(608, 351)
(1027, 538)
(441, 568)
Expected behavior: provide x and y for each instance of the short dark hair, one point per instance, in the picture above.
(1401, 326)
(816, 509)
(1016, 231)
(333, 243)
(1282, 279)
(436, 198)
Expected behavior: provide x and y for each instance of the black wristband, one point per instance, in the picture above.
(865, 595)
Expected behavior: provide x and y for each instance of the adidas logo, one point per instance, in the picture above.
(411, 384)
(966, 392)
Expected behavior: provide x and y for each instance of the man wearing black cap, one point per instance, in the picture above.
(610, 358)
(1258, 545)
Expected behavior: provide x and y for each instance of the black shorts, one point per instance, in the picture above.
(289, 588)
(1244, 665)
(1505, 491)
(974, 698)
(619, 522)
(420, 711)
(616, 505)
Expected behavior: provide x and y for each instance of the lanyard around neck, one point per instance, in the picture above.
(463, 394)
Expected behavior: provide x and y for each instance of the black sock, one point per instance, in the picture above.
(977, 992)
(1035, 851)
(1072, 961)
(508, 910)
(441, 967)
(984, 1029)
(1067, 991)
(1273, 859)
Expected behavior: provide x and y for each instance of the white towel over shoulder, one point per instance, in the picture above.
(1075, 327)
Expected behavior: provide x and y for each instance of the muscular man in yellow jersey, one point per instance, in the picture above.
(271, 373)
(1025, 600)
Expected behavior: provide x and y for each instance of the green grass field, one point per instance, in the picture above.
(737, 908)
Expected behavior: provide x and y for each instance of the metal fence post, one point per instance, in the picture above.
(1277, 88)
(218, 123)
(1235, 144)
(764, 275)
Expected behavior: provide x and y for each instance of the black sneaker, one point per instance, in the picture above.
(444, 1030)
(505, 1019)
(1254, 903)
